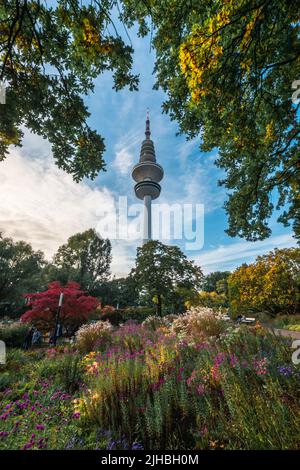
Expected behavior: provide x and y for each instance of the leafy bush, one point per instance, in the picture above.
(111, 314)
(70, 372)
(117, 316)
(13, 334)
(284, 321)
(199, 322)
(294, 327)
(138, 314)
(270, 284)
(94, 336)
(5, 380)
(212, 300)
(76, 308)
(154, 321)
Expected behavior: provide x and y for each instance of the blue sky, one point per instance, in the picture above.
(190, 175)
(42, 205)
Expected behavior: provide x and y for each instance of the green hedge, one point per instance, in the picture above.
(13, 334)
(118, 316)
(138, 314)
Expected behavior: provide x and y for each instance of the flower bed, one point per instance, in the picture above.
(168, 385)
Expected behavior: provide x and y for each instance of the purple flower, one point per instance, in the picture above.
(3, 433)
(76, 415)
(111, 445)
(220, 358)
(28, 446)
(287, 371)
(40, 427)
(137, 446)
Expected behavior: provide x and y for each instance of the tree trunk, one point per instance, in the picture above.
(159, 305)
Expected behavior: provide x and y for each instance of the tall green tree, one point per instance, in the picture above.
(118, 292)
(85, 258)
(20, 271)
(161, 269)
(216, 282)
(50, 55)
(228, 67)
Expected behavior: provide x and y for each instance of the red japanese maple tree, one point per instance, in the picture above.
(76, 308)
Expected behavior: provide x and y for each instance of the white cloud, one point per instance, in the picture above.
(227, 257)
(43, 205)
(124, 161)
(124, 253)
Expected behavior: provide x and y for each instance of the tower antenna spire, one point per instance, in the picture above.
(147, 133)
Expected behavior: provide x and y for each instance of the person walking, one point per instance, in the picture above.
(28, 339)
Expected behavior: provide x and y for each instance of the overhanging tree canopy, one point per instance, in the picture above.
(49, 56)
(228, 67)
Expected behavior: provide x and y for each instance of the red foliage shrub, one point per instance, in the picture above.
(107, 309)
(112, 314)
(76, 308)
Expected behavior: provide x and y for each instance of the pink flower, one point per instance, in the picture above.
(191, 378)
(179, 375)
(233, 360)
(260, 367)
(200, 389)
(156, 386)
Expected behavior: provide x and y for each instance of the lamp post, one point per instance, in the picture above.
(60, 302)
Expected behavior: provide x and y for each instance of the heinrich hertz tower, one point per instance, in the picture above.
(147, 174)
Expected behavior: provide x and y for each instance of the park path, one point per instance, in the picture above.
(289, 333)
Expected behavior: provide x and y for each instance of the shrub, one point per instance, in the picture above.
(111, 314)
(212, 300)
(138, 314)
(294, 327)
(116, 316)
(284, 321)
(199, 321)
(94, 336)
(69, 373)
(14, 334)
(132, 336)
(154, 321)
(5, 380)
(76, 308)
(270, 284)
